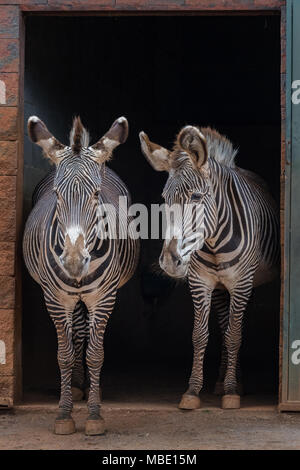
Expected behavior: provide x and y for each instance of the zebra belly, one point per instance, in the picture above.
(212, 278)
(224, 279)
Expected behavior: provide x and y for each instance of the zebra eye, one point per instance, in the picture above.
(97, 194)
(195, 197)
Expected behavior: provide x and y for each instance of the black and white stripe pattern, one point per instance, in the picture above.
(78, 270)
(239, 247)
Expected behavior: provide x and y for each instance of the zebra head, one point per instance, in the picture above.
(188, 195)
(77, 186)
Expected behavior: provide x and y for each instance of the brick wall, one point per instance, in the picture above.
(9, 76)
(150, 5)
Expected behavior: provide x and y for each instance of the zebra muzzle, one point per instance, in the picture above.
(173, 264)
(76, 266)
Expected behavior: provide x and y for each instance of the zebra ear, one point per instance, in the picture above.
(192, 141)
(116, 135)
(156, 155)
(40, 135)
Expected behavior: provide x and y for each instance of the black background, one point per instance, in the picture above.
(161, 73)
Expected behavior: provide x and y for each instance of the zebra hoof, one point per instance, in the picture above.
(64, 426)
(95, 427)
(219, 388)
(77, 394)
(189, 402)
(231, 402)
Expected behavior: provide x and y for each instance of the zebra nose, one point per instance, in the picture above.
(176, 259)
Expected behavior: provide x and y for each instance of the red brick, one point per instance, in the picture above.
(23, 2)
(234, 4)
(7, 258)
(149, 4)
(270, 3)
(80, 4)
(8, 157)
(8, 123)
(219, 4)
(169, 3)
(9, 55)
(61, 5)
(7, 386)
(9, 21)
(283, 61)
(7, 292)
(7, 336)
(11, 81)
(283, 24)
(8, 187)
(7, 221)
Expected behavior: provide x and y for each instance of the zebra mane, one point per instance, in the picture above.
(219, 147)
(79, 136)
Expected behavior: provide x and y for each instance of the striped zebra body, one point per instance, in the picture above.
(66, 252)
(235, 246)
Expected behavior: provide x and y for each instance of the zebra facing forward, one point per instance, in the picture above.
(66, 252)
(234, 248)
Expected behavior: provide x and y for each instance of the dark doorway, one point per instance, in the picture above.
(161, 73)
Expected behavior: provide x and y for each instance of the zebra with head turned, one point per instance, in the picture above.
(67, 253)
(234, 248)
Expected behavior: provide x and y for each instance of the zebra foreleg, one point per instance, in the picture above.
(202, 302)
(233, 338)
(99, 313)
(79, 341)
(62, 318)
(221, 302)
(94, 358)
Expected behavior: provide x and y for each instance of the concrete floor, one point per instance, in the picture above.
(155, 423)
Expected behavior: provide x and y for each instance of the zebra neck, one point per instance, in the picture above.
(228, 214)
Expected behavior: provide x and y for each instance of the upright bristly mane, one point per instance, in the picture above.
(79, 136)
(219, 147)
